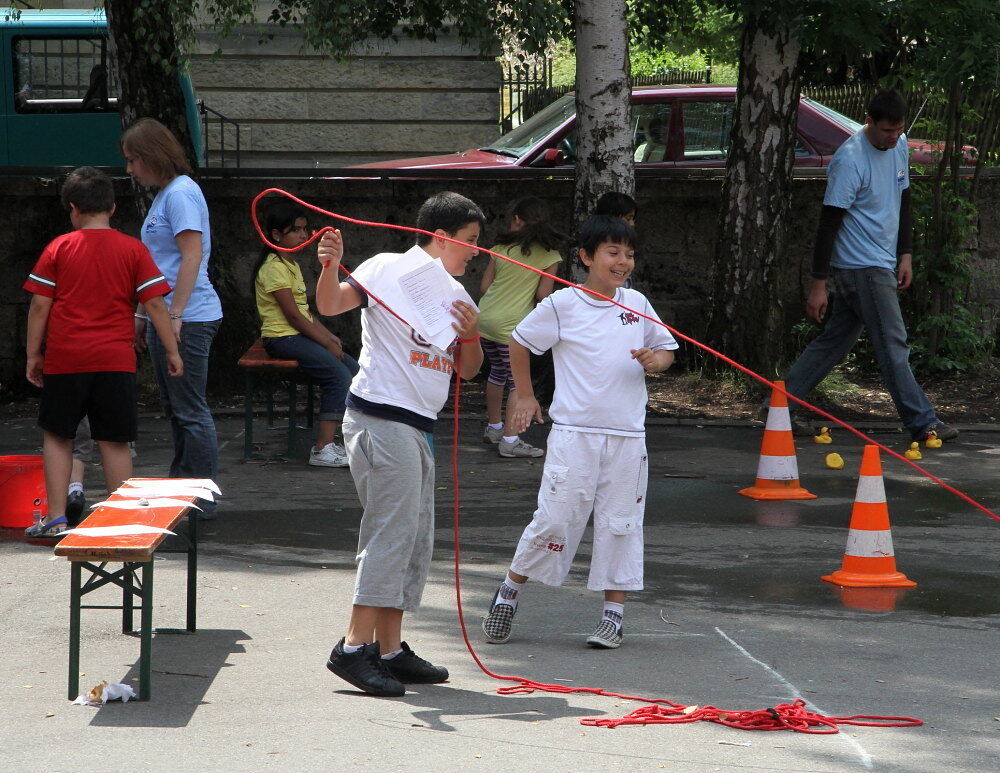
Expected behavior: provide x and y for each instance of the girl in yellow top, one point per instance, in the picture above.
(509, 293)
(289, 331)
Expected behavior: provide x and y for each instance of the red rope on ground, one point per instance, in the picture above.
(658, 711)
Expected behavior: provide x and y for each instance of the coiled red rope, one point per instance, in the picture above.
(657, 711)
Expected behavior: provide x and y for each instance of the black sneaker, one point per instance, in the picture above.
(76, 504)
(408, 667)
(366, 670)
(942, 430)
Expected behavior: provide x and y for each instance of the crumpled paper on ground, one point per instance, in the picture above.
(101, 693)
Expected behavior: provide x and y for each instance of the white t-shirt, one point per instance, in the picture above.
(599, 387)
(397, 366)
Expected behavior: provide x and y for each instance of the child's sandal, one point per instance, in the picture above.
(53, 528)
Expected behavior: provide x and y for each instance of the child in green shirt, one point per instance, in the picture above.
(510, 292)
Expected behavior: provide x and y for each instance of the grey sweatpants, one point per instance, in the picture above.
(393, 471)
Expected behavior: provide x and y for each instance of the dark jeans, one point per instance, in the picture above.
(866, 298)
(196, 448)
(333, 375)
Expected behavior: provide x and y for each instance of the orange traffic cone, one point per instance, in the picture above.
(868, 560)
(778, 470)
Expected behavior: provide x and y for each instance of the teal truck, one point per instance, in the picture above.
(60, 93)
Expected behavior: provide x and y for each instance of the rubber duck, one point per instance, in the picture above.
(835, 461)
(823, 436)
(932, 441)
(913, 452)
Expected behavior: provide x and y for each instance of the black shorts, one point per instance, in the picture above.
(107, 398)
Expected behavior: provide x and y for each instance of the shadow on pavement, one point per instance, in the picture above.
(184, 668)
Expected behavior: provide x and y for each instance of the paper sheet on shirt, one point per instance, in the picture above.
(124, 530)
(144, 504)
(425, 295)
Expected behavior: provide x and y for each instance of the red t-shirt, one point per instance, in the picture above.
(95, 276)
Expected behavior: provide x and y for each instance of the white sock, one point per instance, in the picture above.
(391, 655)
(509, 591)
(75, 487)
(614, 612)
(510, 438)
(497, 426)
(350, 649)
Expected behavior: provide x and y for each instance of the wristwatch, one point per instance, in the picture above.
(174, 316)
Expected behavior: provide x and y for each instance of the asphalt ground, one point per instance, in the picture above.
(733, 615)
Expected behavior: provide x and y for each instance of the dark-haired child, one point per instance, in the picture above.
(391, 408)
(509, 293)
(596, 458)
(617, 205)
(85, 287)
(289, 331)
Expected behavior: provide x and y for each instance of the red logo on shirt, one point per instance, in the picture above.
(628, 318)
(436, 362)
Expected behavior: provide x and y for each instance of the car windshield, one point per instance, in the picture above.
(848, 123)
(517, 142)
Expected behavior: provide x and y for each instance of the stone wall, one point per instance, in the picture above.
(388, 100)
(676, 226)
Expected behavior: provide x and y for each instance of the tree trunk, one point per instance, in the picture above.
(144, 49)
(603, 104)
(756, 198)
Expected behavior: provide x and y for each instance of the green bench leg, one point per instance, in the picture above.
(248, 417)
(128, 624)
(146, 633)
(293, 396)
(74, 629)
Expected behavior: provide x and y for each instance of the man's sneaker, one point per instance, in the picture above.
(519, 449)
(607, 636)
(410, 668)
(330, 455)
(496, 625)
(491, 435)
(76, 503)
(366, 670)
(943, 431)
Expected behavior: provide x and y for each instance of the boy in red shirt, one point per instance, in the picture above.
(80, 330)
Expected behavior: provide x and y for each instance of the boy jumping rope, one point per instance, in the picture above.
(85, 287)
(391, 408)
(596, 455)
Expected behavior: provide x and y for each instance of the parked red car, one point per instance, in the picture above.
(672, 126)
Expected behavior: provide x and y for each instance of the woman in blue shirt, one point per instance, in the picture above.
(176, 231)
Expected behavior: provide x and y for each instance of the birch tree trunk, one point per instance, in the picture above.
(756, 199)
(144, 49)
(603, 104)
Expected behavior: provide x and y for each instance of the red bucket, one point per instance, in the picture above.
(22, 491)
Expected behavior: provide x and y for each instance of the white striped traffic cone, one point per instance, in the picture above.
(778, 469)
(869, 561)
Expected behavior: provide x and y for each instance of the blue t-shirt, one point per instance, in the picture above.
(868, 183)
(181, 206)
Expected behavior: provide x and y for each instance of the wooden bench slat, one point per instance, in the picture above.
(131, 547)
(256, 358)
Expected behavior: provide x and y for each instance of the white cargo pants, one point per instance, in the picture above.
(588, 473)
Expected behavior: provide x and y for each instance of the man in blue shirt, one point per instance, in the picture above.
(863, 245)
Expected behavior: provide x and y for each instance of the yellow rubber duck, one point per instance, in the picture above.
(823, 436)
(932, 441)
(913, 452)
(835, 461)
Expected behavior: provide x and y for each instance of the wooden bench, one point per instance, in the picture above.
(262, 370)
(135, 553)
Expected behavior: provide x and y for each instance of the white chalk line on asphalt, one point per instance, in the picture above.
(237, 436)
(865, 757)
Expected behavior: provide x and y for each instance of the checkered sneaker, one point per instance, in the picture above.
(496, 625)
(607, 636)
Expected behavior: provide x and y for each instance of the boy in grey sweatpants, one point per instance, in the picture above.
(391, 408)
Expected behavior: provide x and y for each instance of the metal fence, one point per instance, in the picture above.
(528, 89)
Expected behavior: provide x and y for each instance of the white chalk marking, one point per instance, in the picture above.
(866, 758)
(237, 436)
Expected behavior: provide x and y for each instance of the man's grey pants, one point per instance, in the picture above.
(393, 471)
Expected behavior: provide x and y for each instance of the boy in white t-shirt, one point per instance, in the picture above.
(596, 455)
(393, 401)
